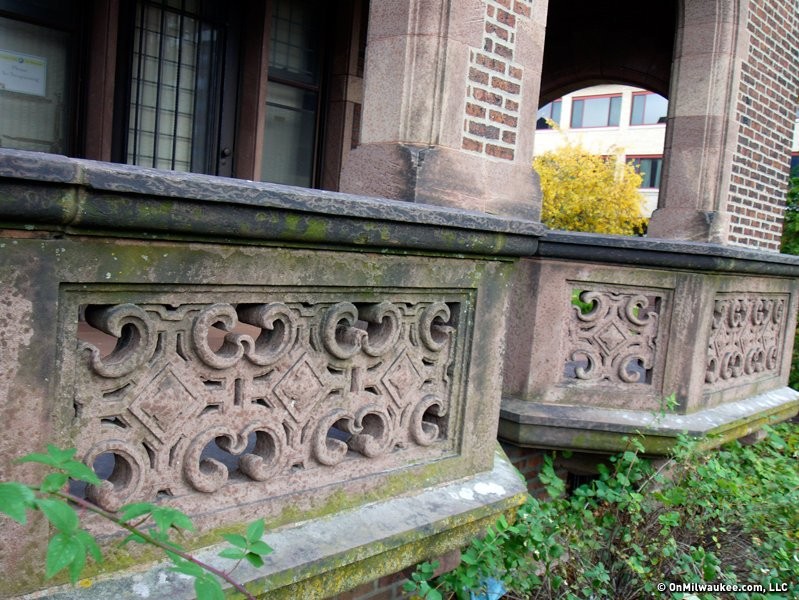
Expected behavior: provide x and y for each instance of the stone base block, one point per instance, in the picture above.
(323, 557)
(595, 429)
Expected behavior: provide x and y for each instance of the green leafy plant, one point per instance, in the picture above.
(724, 516)
(790, 228)
(790, 245)
(146, 523)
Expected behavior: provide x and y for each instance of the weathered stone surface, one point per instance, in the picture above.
(657, 252)
(595, 429)
(627, 323)
(211, 368)
(102, 198)
(320, 558)
(322, 392)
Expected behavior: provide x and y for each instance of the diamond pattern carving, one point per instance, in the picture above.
(401, 378)
(192, 403)
(300, 389)
(163, 402)
(612, 337)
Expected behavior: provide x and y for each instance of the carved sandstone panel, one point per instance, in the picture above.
(612, 336)
(243, 401)
(745, 341)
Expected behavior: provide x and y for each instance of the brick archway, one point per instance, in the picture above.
(619, 41)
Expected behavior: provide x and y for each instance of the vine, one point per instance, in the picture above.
(145, 523)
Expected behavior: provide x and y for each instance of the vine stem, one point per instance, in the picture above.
(151, 540)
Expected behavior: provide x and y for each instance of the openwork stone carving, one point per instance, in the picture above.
(304, 394)
(745, 338)
(612, 337)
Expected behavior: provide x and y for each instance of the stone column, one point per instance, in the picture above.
(450, 98)
(702, 129)
(731, 114)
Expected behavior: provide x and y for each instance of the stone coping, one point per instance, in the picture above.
(146, 202)
(126, 200)
(324, 556)
(672, 254)
(603, 429)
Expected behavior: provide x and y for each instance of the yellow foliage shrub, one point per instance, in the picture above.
(589, 192)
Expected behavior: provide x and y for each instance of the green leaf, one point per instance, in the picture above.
(186, 567)
(59, 513)
(255, 531)
(76, 567)
(53, 482)
(44, 459)
(233, 553)
(55, 457)
(80, 472)
(61, 551)
(170, 517)
(208, 588)
(60, 455)
(433, 594)
(15, 498)
(236, 540)
(261, 548)
(254, 559)
(90, 544)
(135, 510)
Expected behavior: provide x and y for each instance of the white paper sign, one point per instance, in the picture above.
(23, 73)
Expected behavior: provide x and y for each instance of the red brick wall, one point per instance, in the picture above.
(529, 462)
(765, 111)
(385, 588)
(494, 85)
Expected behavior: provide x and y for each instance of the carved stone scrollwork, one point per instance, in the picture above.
(745, 339)
(279, 328)
(371, 431)
(383, 329)
(327, 449)
(612, 337)
(135, 338)
(275, 320)
(193, 400)
(339, 334)
(126, 480)
(424, 420)
(432, 326)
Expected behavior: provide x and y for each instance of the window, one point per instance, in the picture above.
(38, 47)
(649, 167)
(293, 93)
(206, 86)
(648, 109)
(175, 87)
(550, 112)
(596, 111)
(795, 165)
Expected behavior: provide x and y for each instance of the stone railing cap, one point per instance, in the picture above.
(655, 252)
(100, 178)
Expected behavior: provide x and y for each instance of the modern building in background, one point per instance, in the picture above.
(608, 120)
(611, 118)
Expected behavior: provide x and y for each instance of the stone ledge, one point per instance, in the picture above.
(662, 253)
(55, 193)
(326, 556)
(596, 429)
